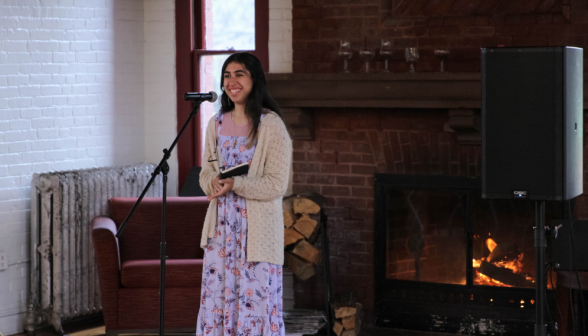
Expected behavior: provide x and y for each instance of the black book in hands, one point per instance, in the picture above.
(235, 171)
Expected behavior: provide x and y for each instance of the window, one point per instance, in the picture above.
(228, 25)
(207, 32)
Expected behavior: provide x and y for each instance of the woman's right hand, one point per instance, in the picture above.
(216, 183)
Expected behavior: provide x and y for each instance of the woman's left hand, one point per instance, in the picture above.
(227, 185)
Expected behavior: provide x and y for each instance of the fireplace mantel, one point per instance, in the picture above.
(456, 93)
(459, 94)
(376, 90)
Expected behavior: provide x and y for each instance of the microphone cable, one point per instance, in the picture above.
(555, 291)
(575, 266)
(549, 265)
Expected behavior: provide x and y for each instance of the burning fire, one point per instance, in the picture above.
(502, 260)
(484, 280)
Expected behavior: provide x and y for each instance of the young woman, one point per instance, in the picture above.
(243, 234)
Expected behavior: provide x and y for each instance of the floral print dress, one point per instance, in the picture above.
(239, 298)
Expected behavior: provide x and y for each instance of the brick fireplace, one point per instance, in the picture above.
(349, 127)
(352, 145)
(339, 147)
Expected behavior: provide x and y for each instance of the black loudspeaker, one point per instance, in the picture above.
(192, 184)
(562, 246)
(532, 123)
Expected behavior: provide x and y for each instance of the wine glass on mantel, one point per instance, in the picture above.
(385, 53)
(442, 54)
(366, 55)
(412, 56)
(345, 53)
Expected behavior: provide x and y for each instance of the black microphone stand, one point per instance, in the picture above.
(163, 167)
(540, 285)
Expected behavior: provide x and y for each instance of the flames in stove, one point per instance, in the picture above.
(503, 267)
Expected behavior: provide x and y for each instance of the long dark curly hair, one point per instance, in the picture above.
(258, 99)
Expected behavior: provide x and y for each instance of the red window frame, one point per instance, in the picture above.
(190, 14)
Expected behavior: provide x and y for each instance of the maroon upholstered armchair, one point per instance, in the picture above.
(128, 268)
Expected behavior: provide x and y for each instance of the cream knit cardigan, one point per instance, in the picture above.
(268, 180)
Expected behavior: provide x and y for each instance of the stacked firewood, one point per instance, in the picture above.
(347, 315)
(301, 232)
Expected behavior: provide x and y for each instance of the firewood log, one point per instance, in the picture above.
(345, 311)
(349, 332)
(288, 219)
(348, 322)
(291, 237)
(338, 328)
(304, 205)
(301, 268)
(353, 322)
(306, 225)
(319, 259)
(288, 213)
(317, 198)
(307, 252)
(504, 275)
(344, 304)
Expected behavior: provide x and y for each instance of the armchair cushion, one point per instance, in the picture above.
(146, 273)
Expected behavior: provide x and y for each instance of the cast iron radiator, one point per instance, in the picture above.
(63, 276)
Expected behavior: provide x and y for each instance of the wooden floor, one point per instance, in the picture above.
(96, 328)
(367, 331)
(100, 331)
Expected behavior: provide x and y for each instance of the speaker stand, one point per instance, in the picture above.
(540, 243)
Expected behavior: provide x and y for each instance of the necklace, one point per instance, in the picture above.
(234, 131)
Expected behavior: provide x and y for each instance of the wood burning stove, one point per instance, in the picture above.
(448, 260)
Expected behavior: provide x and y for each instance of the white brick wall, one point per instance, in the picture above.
(86, 83)
(280, 36)
(160, 85)
(71, 96)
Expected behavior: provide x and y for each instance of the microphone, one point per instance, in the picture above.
(199, 97)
